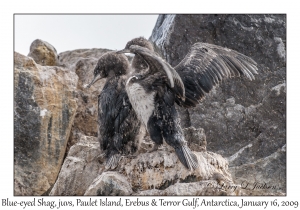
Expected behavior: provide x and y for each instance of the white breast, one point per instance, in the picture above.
(142, 102)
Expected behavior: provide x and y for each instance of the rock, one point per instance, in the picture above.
(244, 120)
(79, 169)
(70, 58)
(109, 183)
(268, 131)
(43, 53)
(137, 175)
(196, 138)
(44, 111)
(267, 175)
(202, 188)
(161, 169)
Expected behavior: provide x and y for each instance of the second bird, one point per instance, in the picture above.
(152, 94)
(156, 86)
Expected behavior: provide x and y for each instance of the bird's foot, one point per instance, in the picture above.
(154, 148)
(101, 158)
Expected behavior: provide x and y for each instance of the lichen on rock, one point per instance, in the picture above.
(43, 53)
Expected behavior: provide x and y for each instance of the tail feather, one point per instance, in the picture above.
(187, 157)
(112, 162)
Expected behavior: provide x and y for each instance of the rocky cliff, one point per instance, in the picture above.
(44, 109)
(237, 132)
(244, 121)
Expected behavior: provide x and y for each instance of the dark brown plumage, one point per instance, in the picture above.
(206, 65)
(202, 68)
(138, 63)
(118, 125)
(186, 84)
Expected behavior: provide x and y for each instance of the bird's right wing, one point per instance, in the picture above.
(161, 65)
(206, 65)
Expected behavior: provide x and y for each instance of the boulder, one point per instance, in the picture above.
(44, 110)
(43, 53)
(79, 169)
(109, 183)
(244, 120)
(83, 174)
(162, 169)
(71, 57)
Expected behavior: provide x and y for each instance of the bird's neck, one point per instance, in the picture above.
(138, 63)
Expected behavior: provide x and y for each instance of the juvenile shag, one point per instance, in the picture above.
(118, 126)
(154, 89)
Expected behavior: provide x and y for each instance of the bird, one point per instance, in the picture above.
(119, 130)
(156, 86)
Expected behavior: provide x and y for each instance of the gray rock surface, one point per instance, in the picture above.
(44, 111)
(79, 169)
(243, 120)
(265, 176)
(109, 183)
(70, 58)
(43, 53)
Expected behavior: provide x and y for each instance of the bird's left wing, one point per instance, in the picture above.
(206, 65)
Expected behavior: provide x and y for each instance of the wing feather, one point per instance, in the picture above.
(158, 64)
(206, 65)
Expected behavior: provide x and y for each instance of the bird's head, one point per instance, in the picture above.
(140, 41)
(110, 64)
(138, 63)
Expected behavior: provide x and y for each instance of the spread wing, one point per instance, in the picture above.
(156, 63)
(206, 65)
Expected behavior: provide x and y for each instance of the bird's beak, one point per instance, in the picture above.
(123, 51)
(94, 80)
